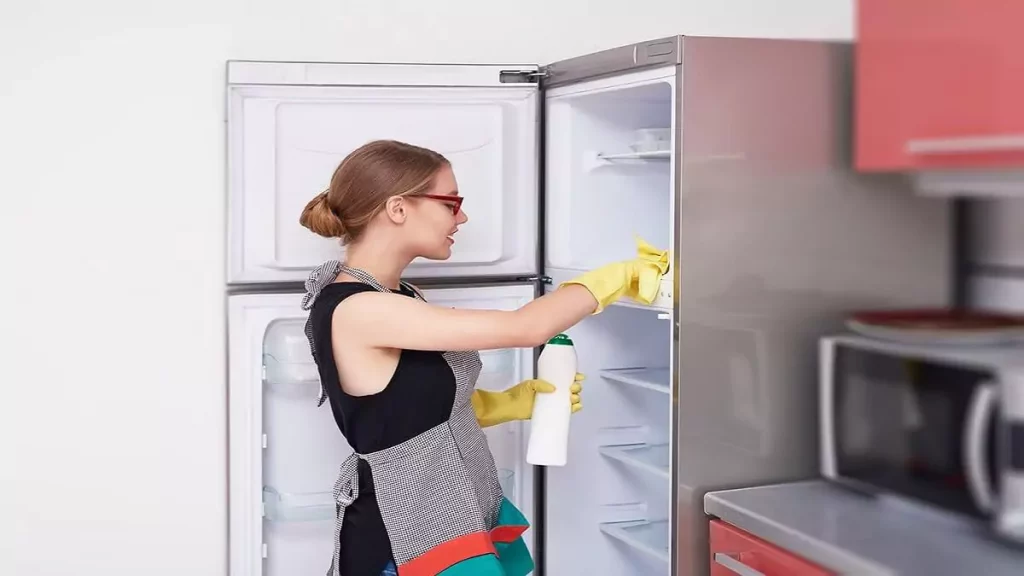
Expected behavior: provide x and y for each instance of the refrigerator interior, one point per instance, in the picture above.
(608, 510)
(286, 452)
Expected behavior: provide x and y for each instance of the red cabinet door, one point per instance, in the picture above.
(734, 551)
(939, 84)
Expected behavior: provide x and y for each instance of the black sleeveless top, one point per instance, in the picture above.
(418, 397)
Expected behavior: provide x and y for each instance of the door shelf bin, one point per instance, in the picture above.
(656, 379)
(298, 506)
(650, 538)
(653, 459)
(290, 377)
(499, 369)
(287, 362)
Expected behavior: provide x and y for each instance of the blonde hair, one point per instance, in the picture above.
(363, 182)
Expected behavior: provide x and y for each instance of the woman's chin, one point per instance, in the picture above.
(441, 254)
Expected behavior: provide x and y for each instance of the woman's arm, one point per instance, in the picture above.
(384, 320)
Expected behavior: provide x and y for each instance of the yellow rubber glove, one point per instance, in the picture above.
(516, 403)
(639, 278)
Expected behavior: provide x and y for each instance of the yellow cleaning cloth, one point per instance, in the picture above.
(638, 279)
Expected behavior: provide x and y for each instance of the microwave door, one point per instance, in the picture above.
(898, 425)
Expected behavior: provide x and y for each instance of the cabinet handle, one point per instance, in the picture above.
(967, 145)
(734, 564)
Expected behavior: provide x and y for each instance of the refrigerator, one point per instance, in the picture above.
(732, 153)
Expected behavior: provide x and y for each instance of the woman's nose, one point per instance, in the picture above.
(461, 217)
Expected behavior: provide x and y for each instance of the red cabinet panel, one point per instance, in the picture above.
(755, 554)
(939, 84)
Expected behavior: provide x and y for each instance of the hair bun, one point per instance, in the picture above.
(321, 219)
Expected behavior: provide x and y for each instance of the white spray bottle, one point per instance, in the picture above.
(549, 425)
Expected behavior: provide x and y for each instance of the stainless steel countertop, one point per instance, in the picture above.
(854, 534)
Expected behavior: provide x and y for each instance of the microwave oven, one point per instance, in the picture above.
(942, 425)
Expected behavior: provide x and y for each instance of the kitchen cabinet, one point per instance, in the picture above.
(939, 85)
(734, 551)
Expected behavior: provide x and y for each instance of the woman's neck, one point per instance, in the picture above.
(378, 259)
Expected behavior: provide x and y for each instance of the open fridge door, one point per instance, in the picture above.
(610, 155)
(285, 452)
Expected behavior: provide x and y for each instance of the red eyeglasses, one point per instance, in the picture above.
(453, 202)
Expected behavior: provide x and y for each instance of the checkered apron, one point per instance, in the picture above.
(435, 487)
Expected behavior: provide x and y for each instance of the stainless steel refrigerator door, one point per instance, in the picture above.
(777, 239)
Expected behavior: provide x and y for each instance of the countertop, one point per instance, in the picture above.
(851, 533)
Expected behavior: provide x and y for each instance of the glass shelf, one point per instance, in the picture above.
(646, 155)
(653, 458)
(650, 538)
(656, 379)
(298, 506)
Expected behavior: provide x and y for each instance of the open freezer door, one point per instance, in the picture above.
(610, 159)
(290, 124)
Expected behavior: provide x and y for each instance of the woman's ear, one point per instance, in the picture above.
(395, 208)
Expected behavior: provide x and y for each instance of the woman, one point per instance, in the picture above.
(421, 492)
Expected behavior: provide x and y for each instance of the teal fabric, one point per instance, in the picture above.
(515, 558)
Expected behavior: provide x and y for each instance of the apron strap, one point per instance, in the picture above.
(346, 490)
(367, 278)
(321, 276)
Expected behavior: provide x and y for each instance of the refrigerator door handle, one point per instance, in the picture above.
(731, 562)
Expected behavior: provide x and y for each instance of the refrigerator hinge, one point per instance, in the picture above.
(542, 279)
(521, 76)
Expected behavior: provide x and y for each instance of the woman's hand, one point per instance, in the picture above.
(516, 403)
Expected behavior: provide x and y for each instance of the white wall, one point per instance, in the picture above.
(112, 169)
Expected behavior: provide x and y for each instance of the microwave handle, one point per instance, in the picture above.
(979, 415)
